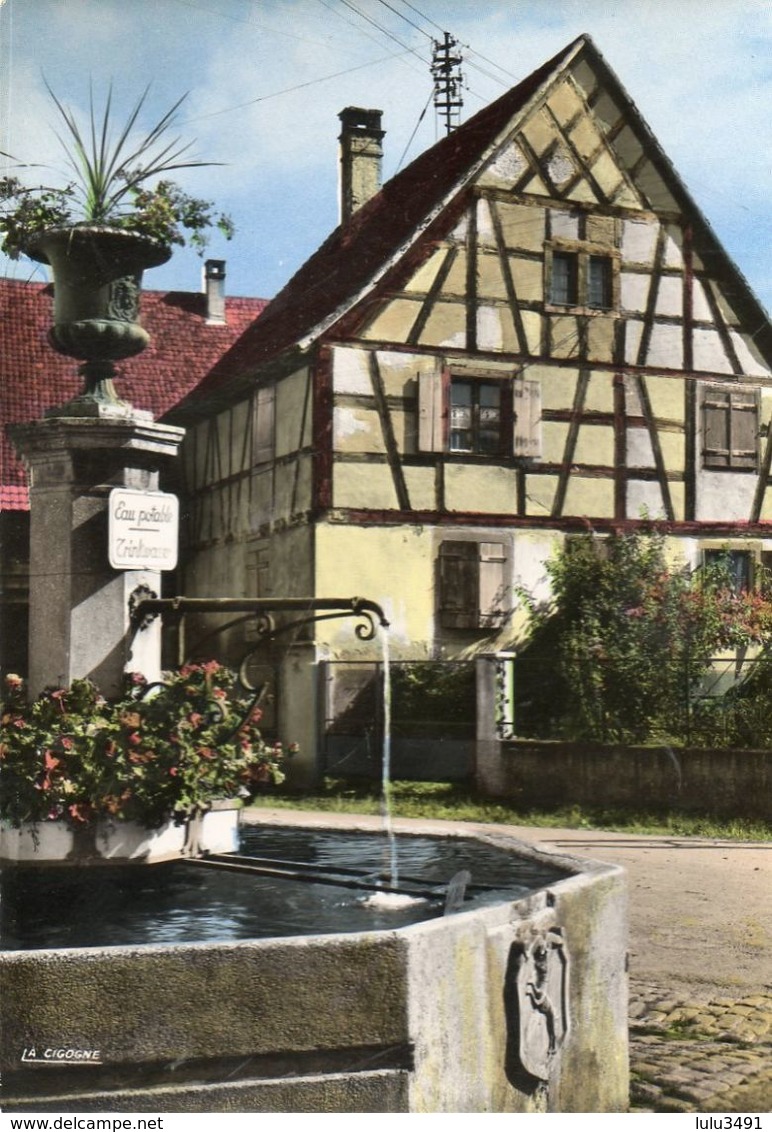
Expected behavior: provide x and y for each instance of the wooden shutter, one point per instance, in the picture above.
(730, 427)
(744, 428)
(492, 584)
(526, 396)
(459, 584)
(431, 431)
(264, 424)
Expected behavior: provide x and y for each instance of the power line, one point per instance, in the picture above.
(421, 117)
(405, 18)
(380, 28)
(289, 89)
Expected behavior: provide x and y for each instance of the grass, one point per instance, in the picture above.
(457, 802)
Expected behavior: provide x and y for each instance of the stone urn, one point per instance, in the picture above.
(97, 274)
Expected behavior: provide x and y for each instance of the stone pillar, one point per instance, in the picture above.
(495, 719)
(299, 713)
(79, 604)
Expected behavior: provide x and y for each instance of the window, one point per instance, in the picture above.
(580, 279)
(737, 563)
(564, 289)
(465, 415)
(599, 282)
(472, 584)
(475, 417)
(730, 427)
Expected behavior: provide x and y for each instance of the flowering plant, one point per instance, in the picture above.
(160, 751)
(112, 170)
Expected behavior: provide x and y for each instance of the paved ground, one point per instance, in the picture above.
(700, 963)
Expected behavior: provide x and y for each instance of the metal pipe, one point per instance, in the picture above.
(179, 605)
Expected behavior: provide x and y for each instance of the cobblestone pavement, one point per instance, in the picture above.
(691, 1055)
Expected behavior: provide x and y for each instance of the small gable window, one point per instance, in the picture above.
(580, 278)
(730, 427)
(472, 584)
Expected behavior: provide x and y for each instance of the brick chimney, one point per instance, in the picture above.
(360, 158)
(214, 289)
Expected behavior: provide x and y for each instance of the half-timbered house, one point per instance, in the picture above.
(530, 330)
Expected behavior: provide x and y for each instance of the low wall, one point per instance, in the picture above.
(730, 783)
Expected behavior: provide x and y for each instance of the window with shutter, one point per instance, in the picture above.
(472, 584)
(730, 427)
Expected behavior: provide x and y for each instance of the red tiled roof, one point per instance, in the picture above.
(359, 249)
(33, 377)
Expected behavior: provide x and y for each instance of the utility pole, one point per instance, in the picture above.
(448, 80)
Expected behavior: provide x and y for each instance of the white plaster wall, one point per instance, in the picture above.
(709, 353)
(640, 453)
(724, 495)
(639, 239)
(666, 347)
(644, 497)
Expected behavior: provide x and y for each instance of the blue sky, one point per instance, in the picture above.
(267, 79)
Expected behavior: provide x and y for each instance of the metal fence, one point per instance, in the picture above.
(433, 719)
(729, 704)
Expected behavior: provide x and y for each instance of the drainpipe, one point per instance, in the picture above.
(361, 152)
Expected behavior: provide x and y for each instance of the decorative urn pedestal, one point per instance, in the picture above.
(97, 279)
(78, 453)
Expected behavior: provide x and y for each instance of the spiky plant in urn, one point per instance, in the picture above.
(118, 216)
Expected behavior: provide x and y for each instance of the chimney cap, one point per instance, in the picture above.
(214, 269)
(357, 118)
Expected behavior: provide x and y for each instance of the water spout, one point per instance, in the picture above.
(386, 798)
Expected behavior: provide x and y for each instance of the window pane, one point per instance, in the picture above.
(564, 275)
(461, 416)
(489, 418)
(599, 282)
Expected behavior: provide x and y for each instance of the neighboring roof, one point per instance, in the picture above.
(33, 377)
(358, 254)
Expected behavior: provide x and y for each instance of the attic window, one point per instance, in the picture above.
(583, 278)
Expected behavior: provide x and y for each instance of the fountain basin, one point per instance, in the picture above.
(515, 1005)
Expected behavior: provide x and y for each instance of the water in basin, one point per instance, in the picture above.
(183, 902)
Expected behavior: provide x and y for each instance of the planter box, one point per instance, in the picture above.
(55, 843)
